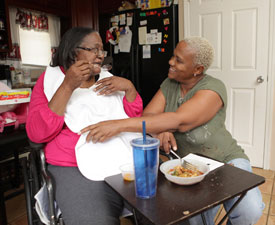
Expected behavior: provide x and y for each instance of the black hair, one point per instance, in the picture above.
(65, 54)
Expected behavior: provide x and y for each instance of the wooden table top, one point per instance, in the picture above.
(174, 203)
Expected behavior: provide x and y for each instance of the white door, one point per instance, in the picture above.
(238, 30)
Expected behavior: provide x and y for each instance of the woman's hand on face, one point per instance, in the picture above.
(167, 141)
(78, 72)
(101, 131)
(109, 85)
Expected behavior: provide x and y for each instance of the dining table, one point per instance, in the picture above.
(175, 204)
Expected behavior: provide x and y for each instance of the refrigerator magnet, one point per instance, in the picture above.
(166, 21)
(109, 36)
(164, 12)
(142, 14)
(112, 35)
(161, 50)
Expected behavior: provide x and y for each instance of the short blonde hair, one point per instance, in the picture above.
(204, 52)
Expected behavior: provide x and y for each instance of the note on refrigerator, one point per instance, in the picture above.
(146, 51)
(143, 22)
(142, 31)
(129, 21)
(116, 49)
(122, 19)
(125, 40)
(153, 38)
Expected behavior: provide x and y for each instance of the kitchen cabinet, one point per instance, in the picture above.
(85, 13)
(72, 13)
(5, 42)
(58, 8)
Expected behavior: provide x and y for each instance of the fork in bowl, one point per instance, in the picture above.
(185, 164)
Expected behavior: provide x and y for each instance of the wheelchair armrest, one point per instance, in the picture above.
(38, 150)
(36, 146)
(43, 162)
(49, 184)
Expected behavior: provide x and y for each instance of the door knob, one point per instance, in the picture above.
(260, 79)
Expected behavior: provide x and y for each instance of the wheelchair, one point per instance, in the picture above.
(35, 175)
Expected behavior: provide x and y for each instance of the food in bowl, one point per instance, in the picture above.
(180, 171)
(170, 164)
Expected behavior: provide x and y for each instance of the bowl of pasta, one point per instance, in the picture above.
(175, 173)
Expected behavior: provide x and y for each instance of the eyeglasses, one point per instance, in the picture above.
(96, 51)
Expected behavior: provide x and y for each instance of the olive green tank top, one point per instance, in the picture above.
(210, 139)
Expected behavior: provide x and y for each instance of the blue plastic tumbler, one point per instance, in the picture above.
(146, 162)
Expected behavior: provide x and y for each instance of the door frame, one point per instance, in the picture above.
(270, 112)
(270, 106)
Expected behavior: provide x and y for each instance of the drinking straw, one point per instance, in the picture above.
(144, 131)
(145, 158)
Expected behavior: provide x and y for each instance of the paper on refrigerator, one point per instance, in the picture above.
(125, 40)
(142, 35)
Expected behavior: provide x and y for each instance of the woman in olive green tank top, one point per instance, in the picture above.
(187, 114)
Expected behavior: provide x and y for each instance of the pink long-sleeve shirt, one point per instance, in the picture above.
(45, 126)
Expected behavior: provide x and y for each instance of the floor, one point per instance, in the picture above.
(16, 210)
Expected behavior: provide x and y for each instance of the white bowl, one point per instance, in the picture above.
(170, 164)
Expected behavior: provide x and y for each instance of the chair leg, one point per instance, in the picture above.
(16, 169)
(27, 191)
(3, 216)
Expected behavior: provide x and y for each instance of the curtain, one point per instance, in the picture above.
(54, 31)
(31, 20)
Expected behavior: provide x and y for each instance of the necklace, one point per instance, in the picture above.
(184, 91)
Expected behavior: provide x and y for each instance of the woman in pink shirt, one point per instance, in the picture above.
(79, 58)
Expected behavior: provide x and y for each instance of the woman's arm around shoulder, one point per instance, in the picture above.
(202, 107)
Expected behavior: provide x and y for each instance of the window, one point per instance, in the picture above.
(35, 47)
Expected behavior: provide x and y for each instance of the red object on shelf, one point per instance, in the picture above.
(14, 118)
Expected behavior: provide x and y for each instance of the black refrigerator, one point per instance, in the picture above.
(146, 68)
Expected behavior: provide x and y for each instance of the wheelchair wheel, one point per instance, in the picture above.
(32, 185)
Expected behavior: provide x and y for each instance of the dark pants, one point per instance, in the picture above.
(82, 201)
